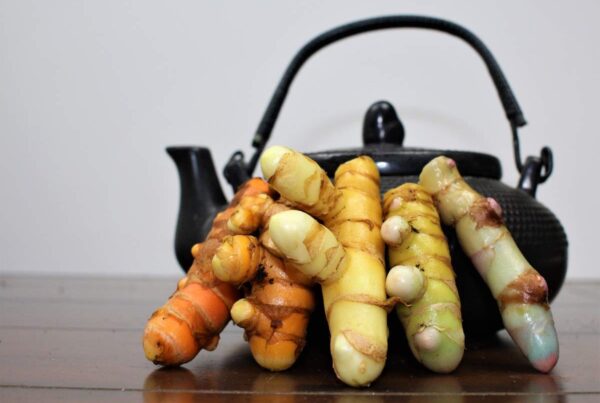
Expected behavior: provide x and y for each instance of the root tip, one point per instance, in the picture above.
(242, 311)
(546, 364)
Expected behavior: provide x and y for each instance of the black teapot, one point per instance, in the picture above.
(536, 230)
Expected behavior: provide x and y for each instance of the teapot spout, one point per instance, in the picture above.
(201, 198)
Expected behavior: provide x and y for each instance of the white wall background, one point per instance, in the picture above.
(92, 92)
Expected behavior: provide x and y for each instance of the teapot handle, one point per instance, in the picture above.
(265, 127)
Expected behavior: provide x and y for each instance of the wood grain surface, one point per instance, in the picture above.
(79, 339)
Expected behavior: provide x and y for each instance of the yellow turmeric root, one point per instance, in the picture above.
(422, 278)
(521, 293)
(196, 313)
(276, 311)
(347, 261)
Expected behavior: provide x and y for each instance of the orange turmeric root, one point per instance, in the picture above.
(276, 310)
(197, 312)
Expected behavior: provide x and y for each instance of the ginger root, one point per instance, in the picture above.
(197, 312)
(422, 278)
(521, 293)
(346, 258)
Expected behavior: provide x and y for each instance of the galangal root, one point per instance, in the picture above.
(422, 279)
(521, 292)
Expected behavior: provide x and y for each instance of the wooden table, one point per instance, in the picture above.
(79, 339)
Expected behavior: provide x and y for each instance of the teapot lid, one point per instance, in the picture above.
(383, 134)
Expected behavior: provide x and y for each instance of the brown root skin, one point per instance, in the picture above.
(236, 259)
(275, 314)
(247, 216)
(265, 236)
(484, 213)
(199, 309)
(529, 288)
(276, 309)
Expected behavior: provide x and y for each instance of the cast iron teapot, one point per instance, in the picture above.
(536, 230)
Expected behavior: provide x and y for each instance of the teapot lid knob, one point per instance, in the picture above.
(382, 125)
